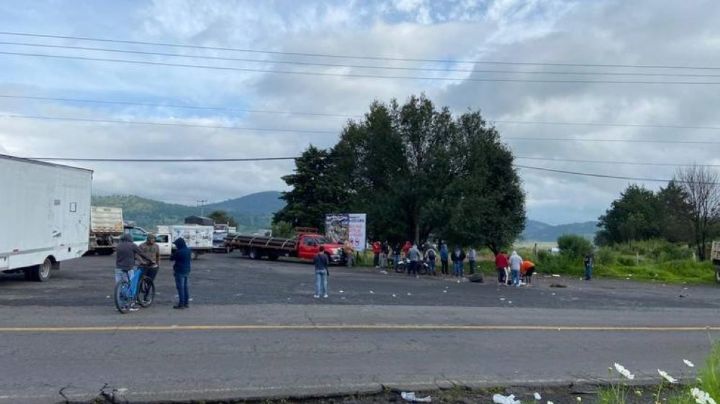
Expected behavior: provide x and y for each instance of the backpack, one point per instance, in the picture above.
(431, 254)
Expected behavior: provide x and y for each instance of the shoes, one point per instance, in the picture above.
(325, 296)
(316, 296)
(178, 306)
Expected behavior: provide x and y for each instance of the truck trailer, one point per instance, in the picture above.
(106, 227)
(44, 215)
(304, 246)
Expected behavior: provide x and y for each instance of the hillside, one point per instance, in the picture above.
(539, 231)
(252, 211)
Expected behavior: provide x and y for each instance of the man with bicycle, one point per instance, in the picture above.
(125, 254)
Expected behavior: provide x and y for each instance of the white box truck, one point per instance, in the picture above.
(198, 238)
(44, 215)
(106, 227)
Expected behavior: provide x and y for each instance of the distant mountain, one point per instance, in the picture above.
(539, 231)
(261, 203)
(146, 213)
(252, 211)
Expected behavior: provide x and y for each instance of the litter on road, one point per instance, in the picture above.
(411, 397)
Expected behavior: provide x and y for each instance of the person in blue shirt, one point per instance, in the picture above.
(444, 257)
(181, 270)
(321, 274)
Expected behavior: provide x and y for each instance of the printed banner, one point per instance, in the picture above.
(347, 226)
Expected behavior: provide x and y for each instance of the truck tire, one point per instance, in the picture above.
(717, 274)
(39, 273)
(273, 256)
(194, 255)
(254, 254)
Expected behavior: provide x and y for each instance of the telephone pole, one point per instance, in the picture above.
(201, 205)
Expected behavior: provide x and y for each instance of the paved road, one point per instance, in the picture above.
(254, 330)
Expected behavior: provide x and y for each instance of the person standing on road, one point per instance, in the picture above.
(321, 274)
(376, 249)
(444, 255)
(501, 262)
(515, 264)
(458, 257)
(414, 257)
(472, 260)
(384, 254)
(181, 271)
(430, 257)
(151, 249)
(125, 254)
(349, 251)
(588, 261)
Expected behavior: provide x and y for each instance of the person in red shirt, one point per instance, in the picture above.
(376, 248)
(501, 263)
(527, 269)
(407, 247)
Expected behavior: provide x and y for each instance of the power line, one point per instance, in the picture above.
(231, 159)
(188, 125)
(357, 57)
(632, 163)
(319, 64)
(345, 75)
(310, 131)
(179, 106)
(215, 108)
(210, 160)
(617, 177)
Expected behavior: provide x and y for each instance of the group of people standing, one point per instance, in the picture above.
(148, 253)
(513, 270)
(384, 256)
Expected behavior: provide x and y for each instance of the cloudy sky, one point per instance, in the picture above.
(563, 46)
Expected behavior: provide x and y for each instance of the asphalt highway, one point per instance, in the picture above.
(254, 330)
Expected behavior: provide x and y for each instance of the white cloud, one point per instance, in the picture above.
(643, 32)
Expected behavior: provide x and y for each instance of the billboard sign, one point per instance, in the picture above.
(347, 226)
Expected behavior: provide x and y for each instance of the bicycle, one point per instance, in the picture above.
(140, 288)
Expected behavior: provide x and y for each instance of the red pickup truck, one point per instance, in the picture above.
(305, 246)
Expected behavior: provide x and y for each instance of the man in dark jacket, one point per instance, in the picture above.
(457, 257)
(181, 270)
(125, 254)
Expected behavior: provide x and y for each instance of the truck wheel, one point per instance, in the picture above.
(39, 273)
(194, 255)
(253, 254)
(273, 257)
(717, 274)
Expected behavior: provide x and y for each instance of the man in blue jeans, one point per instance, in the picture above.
(321, 274)
(181, 270)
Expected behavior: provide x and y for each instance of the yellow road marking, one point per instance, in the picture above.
(353, 327)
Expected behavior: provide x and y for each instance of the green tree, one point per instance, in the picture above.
(636, 215)
(574, 246)
(676, 226)
(282, 229)
(220, 216)
(416, 170)
(317, 190)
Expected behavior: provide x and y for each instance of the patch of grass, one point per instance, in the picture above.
(710, 374)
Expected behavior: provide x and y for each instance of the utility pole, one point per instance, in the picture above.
(201, 205)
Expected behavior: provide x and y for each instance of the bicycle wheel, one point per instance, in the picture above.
(122, 296)
(146, 292)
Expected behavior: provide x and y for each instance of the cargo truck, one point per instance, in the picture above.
(106, 227)
(305, 246)
(44, 215)
(198, 238)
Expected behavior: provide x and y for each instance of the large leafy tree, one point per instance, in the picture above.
(418, 171)
(675, 213)
(636, 215)
(317, 189)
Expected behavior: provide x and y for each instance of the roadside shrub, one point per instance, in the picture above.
(606, 256)
(627, 261)
(574, 246)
